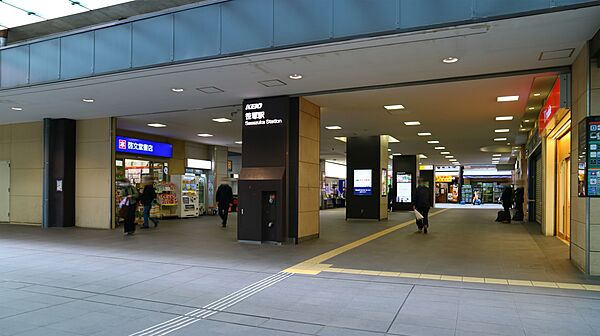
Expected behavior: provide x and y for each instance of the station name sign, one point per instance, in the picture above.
(143, 147)
(254, 115)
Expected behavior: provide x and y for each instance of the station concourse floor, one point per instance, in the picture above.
(468, 276)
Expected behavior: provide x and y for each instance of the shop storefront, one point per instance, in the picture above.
(484, 185)
(447, 184)
(195, 184)
(138, 160)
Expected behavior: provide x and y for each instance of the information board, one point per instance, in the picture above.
(363, 184)
(403, 187)
(593, 157)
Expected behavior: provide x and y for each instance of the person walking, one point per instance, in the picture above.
(147, 199)
(224, 198)
(507, 199)
(130, 197)
(422, 204)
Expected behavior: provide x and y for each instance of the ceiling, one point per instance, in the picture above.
(460, 115)
(494, 47)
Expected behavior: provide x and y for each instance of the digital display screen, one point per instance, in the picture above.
(363, 184)
(593, 158)
(403, 187)
(143, 147)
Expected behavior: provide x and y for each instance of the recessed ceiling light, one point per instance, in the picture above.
(504, 118)
(396, 154)
(333, 127)
(508, 143)
(433, 142)
(444, 153)
(204, 135)
(422, 156)
(238, 142)
(500, 139)
(531, 108)
(452, 160)
(394, 107)
(503, 99)
(523, 130)
(88, 100)
(502, 130)
(516, 147)
(295, 76)
(450, 60)
(526, 120)
(449, 156)
(412, 123)
(496, 155)
(178, 90)
(424, 134)
(157, 125)
(537, 94)
(439, 147)
(391, 139)
(342, 139)
(15, 108)
(221, 120)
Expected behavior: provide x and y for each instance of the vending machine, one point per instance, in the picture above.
(189, 201)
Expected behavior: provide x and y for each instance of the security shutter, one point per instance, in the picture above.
(539, 182)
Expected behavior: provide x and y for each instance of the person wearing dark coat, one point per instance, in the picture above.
(519, 200)
(224, 198)
(507, 199)
(422, 204)
(147, 199)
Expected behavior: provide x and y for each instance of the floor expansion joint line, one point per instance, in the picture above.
(212, 308)
(387, 331)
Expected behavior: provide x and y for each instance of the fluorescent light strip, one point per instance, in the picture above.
(433, 142)
(157, 125)
(221, 120)
(204, 135)
(502, 130)
(394, 107)
(503, 99)
(333, 127)
(444, 153)
(500, 139)
(504, 118)
(440, 147)
(412, 123)
(424, 134)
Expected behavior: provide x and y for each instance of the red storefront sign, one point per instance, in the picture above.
(550, 107)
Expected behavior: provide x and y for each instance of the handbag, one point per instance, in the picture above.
(124, 208)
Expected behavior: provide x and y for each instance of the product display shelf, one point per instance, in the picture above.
(167, 199)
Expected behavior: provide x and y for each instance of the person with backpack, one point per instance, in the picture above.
(224, 198)
(147, 199)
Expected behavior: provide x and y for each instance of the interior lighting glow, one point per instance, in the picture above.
(221, 120)
(449, 157)
(88, 100)
(504, 99)
(394, 107)
(531, 108)
(537, 94)
(178, 90)
(444, 153)
(440, 147)
(391, 139)
(502, 130)
(15, 108)
(433, 142)
(504, 118)
(333, 127)
(500, 139)
(157, 125)
(205, 135)
(496, 155)
(296, 76)
(239, 142)
(412, 123)
(424, 134)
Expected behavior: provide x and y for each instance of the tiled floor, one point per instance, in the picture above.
(89, 282)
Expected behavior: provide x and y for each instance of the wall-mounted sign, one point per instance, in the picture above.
(335, 170)
(143, 147)
(403, 187)
(199, 164)
(550, 107)
(443, 178)
(384, 182)
(255, 115)
(363, 185)
(589, 159)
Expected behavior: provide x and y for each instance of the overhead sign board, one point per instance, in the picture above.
(550, 107)
(143, 147)
(255, 115)
(199, 164)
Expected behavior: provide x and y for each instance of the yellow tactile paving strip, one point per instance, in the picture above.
(314, 266)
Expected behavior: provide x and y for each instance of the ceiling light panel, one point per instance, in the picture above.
(500, 139)
(433, 142)
(424, 134)
(391, 139)
(504, 99)
(444, 153)
(394, 107)
(342, 139)
(204, 135)
(272, 83)
(502, 130)
(157, 125)
(222, 120)
(504, 118)
(210, 90)
(440, 147)
(333, 127)
(412, 123)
